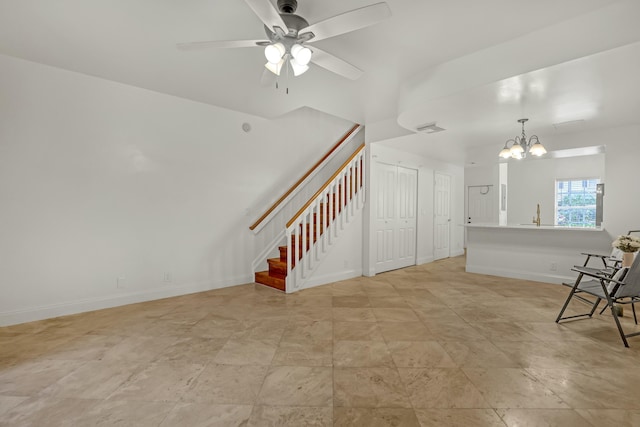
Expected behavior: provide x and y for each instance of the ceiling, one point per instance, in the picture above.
(474, 67)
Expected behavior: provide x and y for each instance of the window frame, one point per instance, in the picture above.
(555, 196)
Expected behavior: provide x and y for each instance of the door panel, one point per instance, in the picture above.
(482, 204)
(442, 216)
(395, 220)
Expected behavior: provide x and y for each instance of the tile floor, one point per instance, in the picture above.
(424, 346)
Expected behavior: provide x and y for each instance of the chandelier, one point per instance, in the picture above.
(520, 146)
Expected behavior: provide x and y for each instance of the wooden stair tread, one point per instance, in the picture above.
(263, 278)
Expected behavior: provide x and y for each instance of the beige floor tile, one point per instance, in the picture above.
(405, 331)
(207, 415)
(419, 323)
(28, 378)
(458, 417)
(84, 347)
(159, 381)
(513, 388)
(395, 315)
(541, 417)
(503, 331)
(441, 388)
(369, 388)
(308, 331)
(192, 350)
(96, 379)
(287, 416)
(9, 402)
(388, 302)
(351, 301)
(226, 384)
(47, 412)
(297, 386)
(243, 352)
(606, 388)
(478, 354)
(347, 314)
(367, 417)
(420, 354)
(129, 413)
(361, 354)
(356, 331)
(304, 353)
(138, 349)
(610, 417)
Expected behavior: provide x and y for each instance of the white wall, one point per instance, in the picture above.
(100, 181)
(426, 169)
(533, 181)
(621, 208)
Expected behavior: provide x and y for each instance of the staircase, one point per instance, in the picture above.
(315, 227)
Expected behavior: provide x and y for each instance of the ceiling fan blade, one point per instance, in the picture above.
(335, 64)
(268, 14)
(349, 21)
(221, 44)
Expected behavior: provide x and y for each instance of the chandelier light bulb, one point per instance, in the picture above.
(274, 52)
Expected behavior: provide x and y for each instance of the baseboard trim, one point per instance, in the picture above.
(424, 260)
(330, 278)
(31, 314)
(524, 275)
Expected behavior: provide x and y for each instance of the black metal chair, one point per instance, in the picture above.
(622, 288)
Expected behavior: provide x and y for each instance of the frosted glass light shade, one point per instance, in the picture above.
(301, 54)
(274, 52)
(275, 68)
(298, 69)
(517, 149)
(537, 149)
(505, 153)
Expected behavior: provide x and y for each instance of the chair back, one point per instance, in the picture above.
(631, 287)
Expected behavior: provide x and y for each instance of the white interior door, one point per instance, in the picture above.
(442, 216)
(386, 177)
(482, 205)
(407, 190)
(395, 217)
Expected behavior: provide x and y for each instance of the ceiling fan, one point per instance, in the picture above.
(288, 35)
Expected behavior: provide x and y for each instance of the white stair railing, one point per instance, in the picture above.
(315, 228)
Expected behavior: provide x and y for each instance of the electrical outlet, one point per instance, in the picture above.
(553, 266)
(120, 282)
(168, 278)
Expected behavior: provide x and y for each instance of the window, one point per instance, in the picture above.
(576, 202)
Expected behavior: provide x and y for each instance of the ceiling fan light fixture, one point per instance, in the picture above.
(301, 54)
(275, 68)
(274, 52)
(298, 69)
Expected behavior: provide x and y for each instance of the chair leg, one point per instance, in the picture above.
(615, 318)
(633, 308)
(566, 303)
(595, 306)
(614, 314)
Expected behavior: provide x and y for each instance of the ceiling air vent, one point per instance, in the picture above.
(429, 128)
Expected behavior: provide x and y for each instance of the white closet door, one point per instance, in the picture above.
(395, 217)
(442, 216)
(407, 221)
